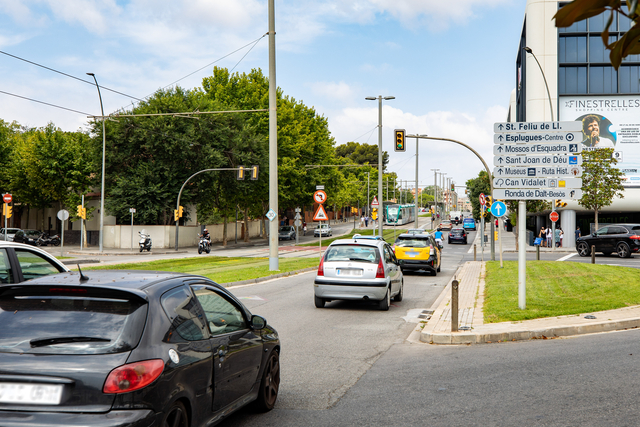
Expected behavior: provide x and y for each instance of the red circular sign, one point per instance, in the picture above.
(7, 198)
(554, 216)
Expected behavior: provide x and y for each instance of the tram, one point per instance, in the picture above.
(399, 214)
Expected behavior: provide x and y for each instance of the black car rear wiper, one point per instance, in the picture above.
(43, 342)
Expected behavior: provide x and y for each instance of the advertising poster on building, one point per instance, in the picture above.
(611, 121)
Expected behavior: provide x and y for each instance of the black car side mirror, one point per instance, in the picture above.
(258, 322)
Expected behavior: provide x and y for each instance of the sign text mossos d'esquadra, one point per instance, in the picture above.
(544, 138)
(562, 148)
(559, 160)
(542, 182)
(574, 126)
(538, 194)
(557, 171)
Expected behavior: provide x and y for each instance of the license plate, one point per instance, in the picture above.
(412, 254)
(45, 394)
(350, 272)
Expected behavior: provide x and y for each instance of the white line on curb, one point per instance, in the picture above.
(564, 258)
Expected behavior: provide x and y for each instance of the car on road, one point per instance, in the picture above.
(359, 270)
(621, 239)
(445, 225)
(29, 237)
(131, 348)
(10, 233)
(286, 232)
(415, 230)
(457, 235)
(469, 224)
(322, 230)
(418, 252)
(20, 262)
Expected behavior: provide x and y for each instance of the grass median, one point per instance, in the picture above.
(219, 269)
(558, 289)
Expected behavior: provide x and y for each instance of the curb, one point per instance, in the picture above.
(264, 279)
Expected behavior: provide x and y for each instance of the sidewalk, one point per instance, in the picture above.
(473, 330)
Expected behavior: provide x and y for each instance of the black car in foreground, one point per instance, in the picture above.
(131, 348)
(457, 235)
(623, 239)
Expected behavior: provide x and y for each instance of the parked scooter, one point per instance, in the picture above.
(46, 240)
(145, 241)
(204, 244)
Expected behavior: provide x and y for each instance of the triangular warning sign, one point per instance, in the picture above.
(320, 215)
(375, 201)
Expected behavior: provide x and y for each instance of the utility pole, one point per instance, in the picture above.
(273, 142)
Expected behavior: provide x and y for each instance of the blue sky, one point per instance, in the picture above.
(450, 64)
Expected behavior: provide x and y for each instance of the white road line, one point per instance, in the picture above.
(564, 258)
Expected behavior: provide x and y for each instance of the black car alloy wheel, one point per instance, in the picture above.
(176, 416)
(270, 383)
(623, 250)
(583, 249)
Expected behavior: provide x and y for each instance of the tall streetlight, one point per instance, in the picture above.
(380, 98)
(528, 50)
(435, 190)
(104, 144)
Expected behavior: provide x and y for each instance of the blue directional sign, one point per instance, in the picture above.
(498, 209)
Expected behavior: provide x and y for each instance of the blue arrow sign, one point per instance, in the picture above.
(498, 209)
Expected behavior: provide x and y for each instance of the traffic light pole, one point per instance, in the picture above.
(185, 183)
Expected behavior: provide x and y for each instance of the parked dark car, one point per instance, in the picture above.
(623, 239)
(131, 348)
(19, 262)
(457, 235)
(29, 237)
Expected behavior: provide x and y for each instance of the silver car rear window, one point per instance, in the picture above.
(352, 252)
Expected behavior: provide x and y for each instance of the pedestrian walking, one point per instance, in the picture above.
(543, 237)
(561, 236)
(362, 221)
(578, 234)
(304, 228)
(556, 237)
(366, 220)
(549, 237)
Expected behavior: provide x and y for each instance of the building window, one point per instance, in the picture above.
(583, 62)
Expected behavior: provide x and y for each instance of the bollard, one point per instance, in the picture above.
(593, 254)
(474, 252)
(454, 305)
(538, 252)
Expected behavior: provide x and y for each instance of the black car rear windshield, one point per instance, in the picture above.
(457, 232)
(413, 241)
(69, 320)
(352, 252)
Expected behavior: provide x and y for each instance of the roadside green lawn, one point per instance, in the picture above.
(558, 289)
(219, 269)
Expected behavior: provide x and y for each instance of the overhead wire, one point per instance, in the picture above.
(42, 102)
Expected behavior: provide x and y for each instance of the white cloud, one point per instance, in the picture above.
(335, 91)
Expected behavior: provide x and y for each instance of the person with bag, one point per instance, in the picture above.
(543, 237)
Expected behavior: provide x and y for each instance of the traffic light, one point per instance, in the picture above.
(7, 210)
(560, 204)
(254, 172)
(453, 187)
(374, 213)
(175, 215)
(82, 212)
(399, 141)
(488, 202)
(240, 173)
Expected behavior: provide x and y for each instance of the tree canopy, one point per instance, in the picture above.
(601, 180)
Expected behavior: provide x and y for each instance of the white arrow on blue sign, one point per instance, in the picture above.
(498, 209)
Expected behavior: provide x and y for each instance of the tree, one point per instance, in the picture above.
(628, 44)
(475, 186)
(601, 180)
(362, 154)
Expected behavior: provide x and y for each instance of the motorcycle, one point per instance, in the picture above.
(45, 240)
(203, 245)
(145, 241)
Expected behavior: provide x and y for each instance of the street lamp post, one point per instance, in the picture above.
(381, 201)
(104, 144)
(529, 50)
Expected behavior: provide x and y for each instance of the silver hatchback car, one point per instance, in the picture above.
(359, 269)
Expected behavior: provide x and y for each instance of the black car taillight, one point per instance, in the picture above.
(634, 237)
(133, 376)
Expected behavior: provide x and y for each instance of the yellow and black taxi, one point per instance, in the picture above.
(418, 252)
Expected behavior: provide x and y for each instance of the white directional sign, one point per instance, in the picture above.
(559, 160)
(557, 171)
(561, 148)
(542, 182)
(575, 126)
(509, 138)
(538, 194)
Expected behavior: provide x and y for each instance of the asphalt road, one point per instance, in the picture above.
(325, 352)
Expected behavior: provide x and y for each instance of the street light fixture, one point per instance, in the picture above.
(104, 144)
(529, 50)
(381, 201)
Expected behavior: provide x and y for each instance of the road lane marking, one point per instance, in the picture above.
(564, 258)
